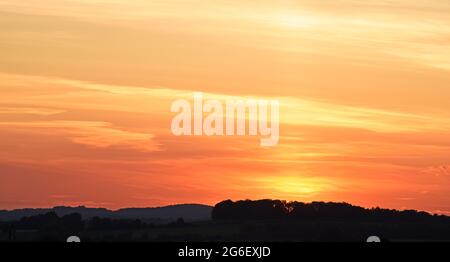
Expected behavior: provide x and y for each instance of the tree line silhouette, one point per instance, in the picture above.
(51, 227)
(244, 220)
(268, 209)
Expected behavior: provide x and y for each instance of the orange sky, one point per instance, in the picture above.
(86, 89)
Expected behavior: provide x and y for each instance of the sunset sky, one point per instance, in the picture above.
(86, 89)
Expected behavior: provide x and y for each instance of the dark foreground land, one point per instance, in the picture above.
(262, 220)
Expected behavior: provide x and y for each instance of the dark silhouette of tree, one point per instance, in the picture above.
(276, 209)
(73, 222)
(43, 221)
(98, 223)
(247, 209)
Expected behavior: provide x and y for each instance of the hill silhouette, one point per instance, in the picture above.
(188, 212)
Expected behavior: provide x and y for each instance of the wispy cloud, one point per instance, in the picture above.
(30, 110)
(358, 30)
(93, 134)
(295, 111)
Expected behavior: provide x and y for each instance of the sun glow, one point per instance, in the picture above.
(296, 185)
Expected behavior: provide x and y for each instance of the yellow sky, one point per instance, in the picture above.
(86, 88)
